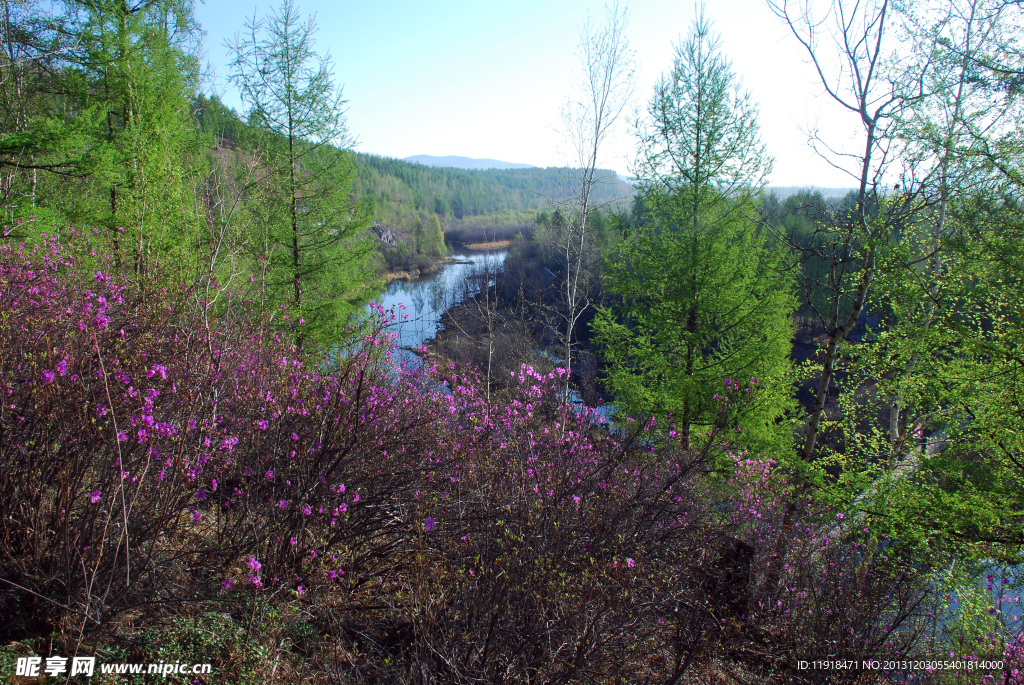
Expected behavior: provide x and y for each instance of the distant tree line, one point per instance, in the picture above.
(902, 403)
(211, 450)
(463, 193)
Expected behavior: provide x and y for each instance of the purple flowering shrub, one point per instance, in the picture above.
(155, 456)
(146, 456)
(554, 549)
(841, 592)
(1014, 656)
(560, 550)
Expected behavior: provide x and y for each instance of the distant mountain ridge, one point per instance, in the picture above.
(457, 162)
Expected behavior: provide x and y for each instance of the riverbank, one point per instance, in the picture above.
(425, 295)
(491, 245)
(402, 275)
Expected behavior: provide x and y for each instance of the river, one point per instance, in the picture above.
(426, 298)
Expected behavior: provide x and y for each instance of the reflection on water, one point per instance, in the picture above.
(427, 298)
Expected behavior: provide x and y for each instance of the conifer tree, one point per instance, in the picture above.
(103, 119)
(316, 240)
(703, 298)
(436, 236)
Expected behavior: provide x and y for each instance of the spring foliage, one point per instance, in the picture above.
(703, 293)
(154, 453)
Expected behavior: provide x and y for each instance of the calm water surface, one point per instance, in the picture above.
(426, 298)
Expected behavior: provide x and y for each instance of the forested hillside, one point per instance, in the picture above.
(464, 162)
(461, 194)
(402, 190)
(212, 451)
(474, 205)
(471, 205)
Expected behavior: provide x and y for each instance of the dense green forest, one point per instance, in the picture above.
(402, 189)
(471, 205)
(212, 452)
(474, 206)
(464, 193)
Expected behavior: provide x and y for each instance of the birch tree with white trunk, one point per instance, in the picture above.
(607, 81)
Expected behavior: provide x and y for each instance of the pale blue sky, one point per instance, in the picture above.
(486, 79)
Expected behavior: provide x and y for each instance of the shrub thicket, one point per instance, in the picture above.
(175, 482)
